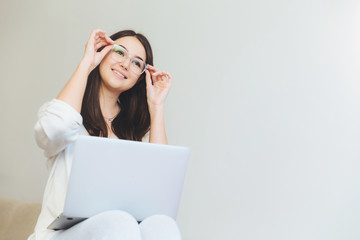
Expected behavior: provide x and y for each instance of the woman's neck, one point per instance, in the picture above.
(108, 103)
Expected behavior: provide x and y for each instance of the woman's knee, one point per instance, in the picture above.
(154, 219)
(159, 222)
(114, 216)
(159, 227)
(113, 221)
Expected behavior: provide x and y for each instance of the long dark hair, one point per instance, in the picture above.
(133, 121)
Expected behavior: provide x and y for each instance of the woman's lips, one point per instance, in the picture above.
(119, 74)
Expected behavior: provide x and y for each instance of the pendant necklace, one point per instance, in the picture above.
(111, 119)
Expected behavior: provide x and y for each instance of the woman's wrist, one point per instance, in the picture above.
(157, 124)
(85, 66)
(156, 110)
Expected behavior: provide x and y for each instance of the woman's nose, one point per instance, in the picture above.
(125, 64)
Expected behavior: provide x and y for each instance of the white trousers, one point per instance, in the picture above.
(120, 225)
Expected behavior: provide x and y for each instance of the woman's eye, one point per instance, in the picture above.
(120, 52)
(137, 63)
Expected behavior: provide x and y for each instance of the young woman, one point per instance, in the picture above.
(115, 92)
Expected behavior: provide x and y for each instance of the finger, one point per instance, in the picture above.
(93, 36)
(161, 84)
(99, 41)
(98, 30)
(148, 79)
(168, 80)
(97, 33)
(100, 34)
(105, 38)
(109, 40)
(152, 68)
(155, 74)
(101, 44)
(169, 77)
(105, 51)
(151, 71)
(163, 77)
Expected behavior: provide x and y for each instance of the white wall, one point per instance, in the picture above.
(266, 94)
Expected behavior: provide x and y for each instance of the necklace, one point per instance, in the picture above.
(110, 119)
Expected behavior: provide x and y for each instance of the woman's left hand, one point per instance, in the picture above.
(158, 85)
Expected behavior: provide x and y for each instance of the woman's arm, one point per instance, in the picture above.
(59, 121)
(157, 125)
(158, 85)
(74, 90)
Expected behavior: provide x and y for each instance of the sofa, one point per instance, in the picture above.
(17, 219)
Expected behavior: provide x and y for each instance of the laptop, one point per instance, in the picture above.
(142, 179)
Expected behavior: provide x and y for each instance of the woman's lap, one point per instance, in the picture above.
(122, 226)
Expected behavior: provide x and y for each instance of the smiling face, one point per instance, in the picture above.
(117, 76)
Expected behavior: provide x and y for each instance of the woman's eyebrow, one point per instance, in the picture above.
(128, 51)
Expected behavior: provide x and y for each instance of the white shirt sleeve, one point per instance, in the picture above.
(58, 125)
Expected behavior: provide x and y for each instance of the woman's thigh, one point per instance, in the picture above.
(108, 225)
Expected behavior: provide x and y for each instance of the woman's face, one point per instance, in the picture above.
(117, 76)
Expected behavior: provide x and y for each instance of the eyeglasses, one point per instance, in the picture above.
(120, 54)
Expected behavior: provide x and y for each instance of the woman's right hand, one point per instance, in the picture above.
(97, 39)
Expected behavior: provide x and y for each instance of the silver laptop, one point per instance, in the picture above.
(142, 179)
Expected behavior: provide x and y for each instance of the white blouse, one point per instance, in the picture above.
(58, 126)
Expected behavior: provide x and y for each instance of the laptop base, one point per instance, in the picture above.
(63, 222)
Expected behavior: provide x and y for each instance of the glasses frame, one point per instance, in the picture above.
(130, 57)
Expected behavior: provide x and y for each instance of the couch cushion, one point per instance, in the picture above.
(17, 219)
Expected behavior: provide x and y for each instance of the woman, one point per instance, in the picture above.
(115, 92)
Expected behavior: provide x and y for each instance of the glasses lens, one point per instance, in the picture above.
(119, 53)
(137, 66)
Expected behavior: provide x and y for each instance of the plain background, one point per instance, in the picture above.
(265, 93)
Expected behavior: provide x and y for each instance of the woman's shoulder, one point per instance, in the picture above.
(56, 104)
